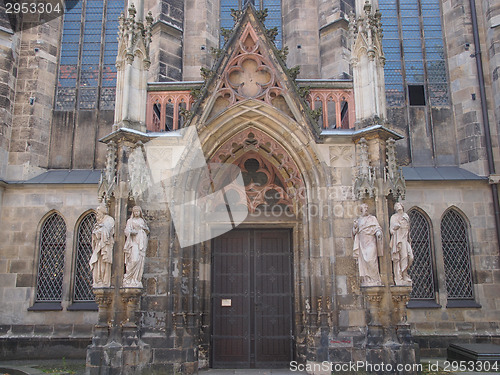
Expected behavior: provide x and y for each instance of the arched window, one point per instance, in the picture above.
(51, 261)
(456, 254)
(273, 15)
(87, 71)
(82, 287)
(421, 271)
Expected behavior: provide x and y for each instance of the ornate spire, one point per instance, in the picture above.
(364, 185)
(394, 180)
(367, 58)
(132, 62)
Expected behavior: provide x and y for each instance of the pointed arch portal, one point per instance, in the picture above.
(267, 269)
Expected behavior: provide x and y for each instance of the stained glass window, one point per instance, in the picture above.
(82, 289)
(273, 18)
(421, 271)
(414, 49)
(87, 72)
(51, 259)
(456, 256)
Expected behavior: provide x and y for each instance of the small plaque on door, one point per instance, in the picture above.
(226, 302)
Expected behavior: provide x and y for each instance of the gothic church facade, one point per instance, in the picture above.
(321, 106)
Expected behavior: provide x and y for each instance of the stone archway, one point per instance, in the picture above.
(255, 130)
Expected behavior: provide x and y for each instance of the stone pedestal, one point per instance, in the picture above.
(400, 297)
(122, 351)
(375, 315)
(388, 336)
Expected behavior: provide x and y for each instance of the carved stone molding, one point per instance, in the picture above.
(395, 183)
(273, 161)
(130, 297)
(364, 185)
(134, 38)
(249, 74)
(107, 183)
(140, 178)
(104, 300)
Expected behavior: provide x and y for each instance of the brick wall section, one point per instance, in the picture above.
(37, 73)
(457, 28)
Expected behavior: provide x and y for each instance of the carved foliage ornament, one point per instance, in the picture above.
(365, 32)
(394, 179)
(107, 183)
(134, 37)
(364, 186)
(249, 74)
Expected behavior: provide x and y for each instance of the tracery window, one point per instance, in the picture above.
(51, 259)
(87, 72)
(82, 289)
(421, 271)
(456, 255)
(273, 18)
(414, 50)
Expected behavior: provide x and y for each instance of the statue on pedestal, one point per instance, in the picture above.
(368, 246)
(102, 248)
(136, 244)
(402, 253)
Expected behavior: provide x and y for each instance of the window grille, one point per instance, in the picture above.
(421, 271)
(456, 254)
(87, 72)
(414, 50)
(51, 262)
(82, 290)
(273, 15)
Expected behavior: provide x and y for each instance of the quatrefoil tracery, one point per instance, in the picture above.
(249, 74)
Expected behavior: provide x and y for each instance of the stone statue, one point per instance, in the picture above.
(102, 248)
(135, 248)
(402, 253)
(368, 246)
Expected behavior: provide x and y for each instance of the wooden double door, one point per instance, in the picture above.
(252, 299)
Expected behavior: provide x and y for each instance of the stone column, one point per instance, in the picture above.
(379, 183)
(122, 351)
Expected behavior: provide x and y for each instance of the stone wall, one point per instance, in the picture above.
(166, 46)
(302, 37)
(333, 38)
(23, 210)
(489, 14)
(34, 98)
(9, 50)
(202, 34)
(459, 45)
(74, 141)
(444, 324)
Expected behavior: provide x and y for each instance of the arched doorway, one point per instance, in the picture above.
(252, 266)
(271, 143)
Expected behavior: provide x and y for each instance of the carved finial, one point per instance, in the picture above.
(394, 179)
(364, 185)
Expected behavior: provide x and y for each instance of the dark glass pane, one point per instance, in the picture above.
(456, 255)
(82, 289)
(51, 260)
(421, 271)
